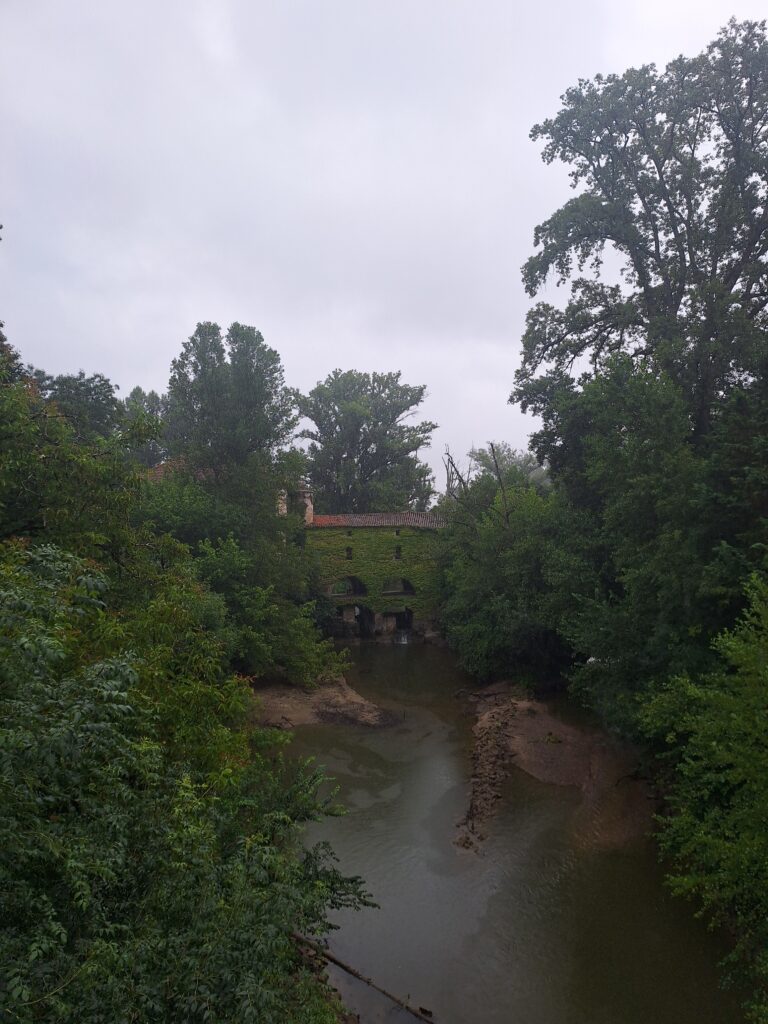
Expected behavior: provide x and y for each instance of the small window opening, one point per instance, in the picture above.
(398, 552)
(349, 552)
(397, 533)
(349, 533)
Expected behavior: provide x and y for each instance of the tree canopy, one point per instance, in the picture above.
(145, 409)
(627, 577)
(363, 454)
(227, 398)
(670, 169)
(150, 858)
(88, 403)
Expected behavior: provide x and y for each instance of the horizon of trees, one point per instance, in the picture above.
(227, 396)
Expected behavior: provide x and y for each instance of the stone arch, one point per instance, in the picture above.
(404, 619)
(355, 620)
(347, 586)
(397, 585)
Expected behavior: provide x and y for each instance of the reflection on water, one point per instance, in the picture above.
(534, 930)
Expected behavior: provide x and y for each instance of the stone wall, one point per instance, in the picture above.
(379, 578)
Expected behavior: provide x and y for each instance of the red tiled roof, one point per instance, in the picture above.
(166, 469)
(423, 520)
(163, 469)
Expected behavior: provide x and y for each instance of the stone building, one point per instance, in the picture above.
(377, 568)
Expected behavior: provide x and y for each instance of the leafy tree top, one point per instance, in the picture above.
(227, 398)
(671, 173)
(362, 451)
(89, 404)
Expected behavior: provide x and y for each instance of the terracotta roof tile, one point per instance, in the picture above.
(171, 466)
(423, 520)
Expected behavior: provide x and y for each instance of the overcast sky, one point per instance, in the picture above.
(353, 178)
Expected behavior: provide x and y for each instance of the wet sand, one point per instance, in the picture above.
(513, 730)
(335, 703)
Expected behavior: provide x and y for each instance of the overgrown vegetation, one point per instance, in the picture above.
(627, 575)
(150, 868)
(381, 559)
(150, 862)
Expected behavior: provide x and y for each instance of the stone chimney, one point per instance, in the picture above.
(304, 497)
(282, 503)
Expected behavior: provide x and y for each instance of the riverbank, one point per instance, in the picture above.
(335, 703)
(471, 936)
(513, 730)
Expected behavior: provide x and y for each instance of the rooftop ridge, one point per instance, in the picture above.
(423, 520)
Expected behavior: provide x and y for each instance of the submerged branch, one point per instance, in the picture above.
(420, 1014)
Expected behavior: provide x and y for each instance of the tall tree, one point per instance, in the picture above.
(88, 403)
(227, 415)
(10, 363)
(144, 410)
(672, 175)
(363, 454)
(655, 440)
(227, 398)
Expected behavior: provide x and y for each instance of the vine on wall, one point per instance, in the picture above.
(376, 556)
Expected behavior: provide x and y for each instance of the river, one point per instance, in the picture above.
(536, 928)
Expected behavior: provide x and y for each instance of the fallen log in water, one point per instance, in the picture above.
(420, 1014)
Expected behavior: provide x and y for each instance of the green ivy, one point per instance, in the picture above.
(374, 563)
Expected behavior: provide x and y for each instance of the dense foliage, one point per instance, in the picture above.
(227, 398)
(653, 403)
(507, 576)
(89, 404)
(363, 454)
(712, 729)
(670, 172)
(150, 863)
(226, 418)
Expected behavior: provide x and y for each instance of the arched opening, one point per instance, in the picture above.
(349, 586)
(404, 619)
(397, 585)
(355, 620)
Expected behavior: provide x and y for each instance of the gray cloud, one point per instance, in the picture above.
(354, 178)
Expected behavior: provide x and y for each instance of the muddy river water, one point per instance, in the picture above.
(537, 928)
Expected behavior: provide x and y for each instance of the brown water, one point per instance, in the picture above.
(534, 930)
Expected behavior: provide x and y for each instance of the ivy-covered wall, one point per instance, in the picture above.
(375, 564)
